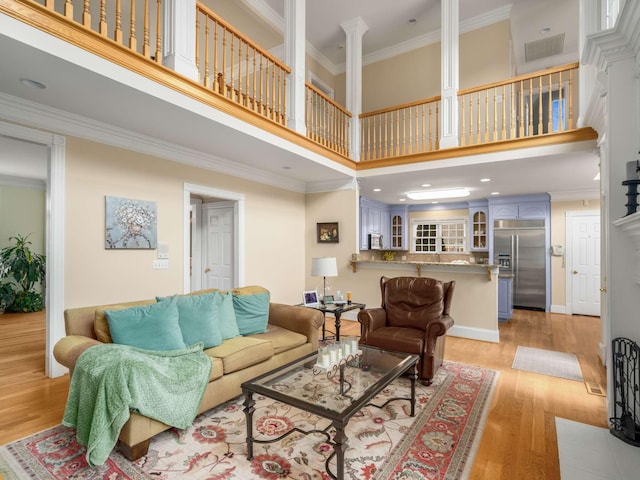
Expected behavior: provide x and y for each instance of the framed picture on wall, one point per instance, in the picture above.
(130, 224)
(328, 232)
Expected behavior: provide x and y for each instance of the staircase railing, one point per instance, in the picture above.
(327, 122)
(237, 68)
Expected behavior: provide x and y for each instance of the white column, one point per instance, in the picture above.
(450, 80)
(179, 42)
(588, 23)
(355, 29)
(294, 48)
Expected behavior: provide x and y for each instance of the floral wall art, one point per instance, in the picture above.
(130, 224)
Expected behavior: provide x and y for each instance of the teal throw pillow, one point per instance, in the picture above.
(227, 316)
(151, 327)
(198, 318)
(252, 312)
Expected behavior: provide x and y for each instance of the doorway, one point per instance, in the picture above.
(583, 263)
(214, 235)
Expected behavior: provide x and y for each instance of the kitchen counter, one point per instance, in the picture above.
(454, 266)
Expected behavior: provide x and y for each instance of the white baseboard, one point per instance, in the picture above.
(558, 309)
(475, 333)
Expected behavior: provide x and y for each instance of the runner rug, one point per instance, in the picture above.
(439, 442)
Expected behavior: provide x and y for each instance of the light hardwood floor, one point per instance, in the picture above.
(519, 440)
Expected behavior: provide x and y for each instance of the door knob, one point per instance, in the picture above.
(575, 272)
(207, 270)
(603, 290)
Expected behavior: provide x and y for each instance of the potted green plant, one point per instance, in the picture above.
(25, 271)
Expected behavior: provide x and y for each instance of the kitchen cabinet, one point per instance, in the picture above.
(374, 218)
(478, 232)
(398, 230)
(505, 298)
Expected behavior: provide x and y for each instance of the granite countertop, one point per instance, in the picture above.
(418, 262)
(458, 266)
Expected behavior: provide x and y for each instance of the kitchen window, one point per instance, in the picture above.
(445, 236)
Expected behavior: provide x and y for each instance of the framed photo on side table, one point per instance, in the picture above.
(328, 232)
(310, 298)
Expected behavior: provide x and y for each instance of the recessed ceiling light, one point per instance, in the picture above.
(426, 185)
(485, 179)
(377, 189)
(402, 199)
(286, 167)
(597, 177)
(435, 203)
(412, 21)
(495, 193)
(27, 82)
(439, 194)
(341, 46)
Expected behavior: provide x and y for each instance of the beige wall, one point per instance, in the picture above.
(246, 22)
(558, 236)
(274, 227)
(485, 55)
(22, 211)
(341, 207)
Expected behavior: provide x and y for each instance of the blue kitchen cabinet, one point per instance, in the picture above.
(505, 298)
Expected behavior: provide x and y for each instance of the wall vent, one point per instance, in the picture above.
(544, 48)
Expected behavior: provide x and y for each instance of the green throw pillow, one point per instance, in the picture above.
(152, 327)
(226, 316)
(198, 318)
(252, 312)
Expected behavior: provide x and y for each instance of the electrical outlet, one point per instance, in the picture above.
(160, 264)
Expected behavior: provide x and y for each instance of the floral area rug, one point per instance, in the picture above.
(384, 443)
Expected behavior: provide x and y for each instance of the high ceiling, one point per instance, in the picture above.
(90, 91)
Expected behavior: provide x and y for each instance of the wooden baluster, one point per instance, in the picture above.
(261, 86)
(540, 129)
(133, 43)
(68, 9)
(512, 122)
(86, 15)
(240, 100)
(437, 126)
(416, 133)
(521, 100)
(254, 78)
(199, 14)
(478, 116)
(486, 116)
(530, 114)
(374, 143)
(102, 28)
(404, 131)
(423, 127)
(504, 113)
(50, 4)
(364, 126)
(146, 48)
(207, 65)
(117, 36)
(570, 116)
(273, 90)
(222, 73)
(463, 126)
(430, 144)
(158, 53)
(232, 66)
(247, 66)
(550, 102)
(560, 109)
(283, 95)
(471, 142)
(495, 113)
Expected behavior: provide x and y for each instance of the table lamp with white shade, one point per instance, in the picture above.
(324, 267)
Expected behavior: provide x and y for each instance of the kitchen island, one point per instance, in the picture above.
(475, 299)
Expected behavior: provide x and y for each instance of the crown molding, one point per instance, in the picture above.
(619, 43)
(20, 182)
(39, 116)
(332, 185)
(568, 196)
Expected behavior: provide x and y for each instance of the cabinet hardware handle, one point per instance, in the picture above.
(575, 272)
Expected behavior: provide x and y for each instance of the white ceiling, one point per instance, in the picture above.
(90, 93)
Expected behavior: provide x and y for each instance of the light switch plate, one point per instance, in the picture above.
(160, 264)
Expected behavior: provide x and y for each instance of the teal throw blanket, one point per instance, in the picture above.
(110, 380)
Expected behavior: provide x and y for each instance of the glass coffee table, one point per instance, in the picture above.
(341, 387)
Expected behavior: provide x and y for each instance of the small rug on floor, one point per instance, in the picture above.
(439, 442)
(548, 362)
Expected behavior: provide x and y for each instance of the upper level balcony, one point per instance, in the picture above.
(192, 63)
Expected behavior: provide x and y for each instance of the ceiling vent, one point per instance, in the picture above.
(544, 48)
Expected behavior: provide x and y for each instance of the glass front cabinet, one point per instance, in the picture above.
(398, 240)
(478, 229)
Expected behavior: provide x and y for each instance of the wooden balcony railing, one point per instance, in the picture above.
(136, 24)
(327, 122)
(402, 130)
(235, 67)
(525, 106)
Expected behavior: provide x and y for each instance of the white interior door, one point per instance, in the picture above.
(218, 244)
(585, 265)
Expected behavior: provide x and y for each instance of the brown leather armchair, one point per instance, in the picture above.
(414, 318)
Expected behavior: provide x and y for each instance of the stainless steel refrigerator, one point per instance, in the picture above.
(519, 249)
